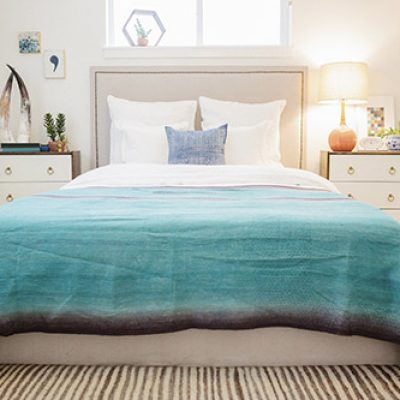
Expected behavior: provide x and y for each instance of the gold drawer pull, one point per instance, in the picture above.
(392, 171)
(9, 198)
(8, 171)
(351, 171)
(50, 171)
(391, 198)
(350, 196)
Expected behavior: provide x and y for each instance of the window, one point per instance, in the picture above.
(198, 22)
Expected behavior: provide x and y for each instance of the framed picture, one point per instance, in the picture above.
(54, 64)
(30, 42)
(376, 116)
(380, 114)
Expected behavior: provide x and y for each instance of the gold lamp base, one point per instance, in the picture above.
(342, 139)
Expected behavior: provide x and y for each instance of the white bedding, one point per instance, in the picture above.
(131, 175)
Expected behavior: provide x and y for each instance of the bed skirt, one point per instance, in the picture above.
(259, 347)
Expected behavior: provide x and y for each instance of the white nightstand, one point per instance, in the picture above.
(25, 174)
(372, 177)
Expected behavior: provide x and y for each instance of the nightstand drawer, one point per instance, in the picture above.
(381, 195)
(35, 168)
(364, 168)
(12, 191)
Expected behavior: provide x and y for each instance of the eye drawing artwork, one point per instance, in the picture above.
(54, 64)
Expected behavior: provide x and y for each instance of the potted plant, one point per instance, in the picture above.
(392, 138)
(142, 34)
(56, 132)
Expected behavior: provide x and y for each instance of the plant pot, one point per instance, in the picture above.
(142, 42)
(393, 143)
(57, 146)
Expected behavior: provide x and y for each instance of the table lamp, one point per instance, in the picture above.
(347, 83)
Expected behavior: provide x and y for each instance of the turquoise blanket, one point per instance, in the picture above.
(150, 260)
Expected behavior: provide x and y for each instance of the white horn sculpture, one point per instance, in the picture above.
(5, 99)
(25, 124)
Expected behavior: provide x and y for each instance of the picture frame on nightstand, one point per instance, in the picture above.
(376, 116)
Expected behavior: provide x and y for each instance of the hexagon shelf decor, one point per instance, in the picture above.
(143, 28)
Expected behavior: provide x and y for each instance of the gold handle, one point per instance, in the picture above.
(391, 198)
(392, 171)
(350, 196)
(50, 171)
(8, 171)
(9, 198)
(351, 171)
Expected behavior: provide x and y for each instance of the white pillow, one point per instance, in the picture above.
(216, 112)
(152, 113)
(148, 144)
(145, 114)
(140, 144)
(244, 145)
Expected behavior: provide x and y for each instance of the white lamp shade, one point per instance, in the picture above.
(344, 81)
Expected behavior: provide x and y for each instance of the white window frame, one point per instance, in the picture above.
(200, 50)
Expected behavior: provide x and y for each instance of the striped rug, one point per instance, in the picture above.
(36, 382)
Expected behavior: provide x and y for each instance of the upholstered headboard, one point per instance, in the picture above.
(245, 84)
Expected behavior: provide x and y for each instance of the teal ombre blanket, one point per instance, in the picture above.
(150, 260)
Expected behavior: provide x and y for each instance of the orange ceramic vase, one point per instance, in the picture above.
(342, 139)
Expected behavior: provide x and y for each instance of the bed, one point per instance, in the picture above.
(214, 265)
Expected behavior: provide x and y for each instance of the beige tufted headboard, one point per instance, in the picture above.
(245, 84)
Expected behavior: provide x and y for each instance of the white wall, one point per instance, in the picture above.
(323, 31)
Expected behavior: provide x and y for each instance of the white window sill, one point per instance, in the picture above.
(218, 52)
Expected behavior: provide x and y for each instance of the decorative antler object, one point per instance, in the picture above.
(5, 99)
(25, 124)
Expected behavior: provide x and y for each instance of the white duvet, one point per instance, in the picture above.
(131, 175)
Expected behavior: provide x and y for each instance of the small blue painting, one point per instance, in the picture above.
(55, 61)
(29, 42)
(54, 64)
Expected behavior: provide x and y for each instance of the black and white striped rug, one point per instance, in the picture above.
(37, 382)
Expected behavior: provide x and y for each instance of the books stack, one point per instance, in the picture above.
(20, 147)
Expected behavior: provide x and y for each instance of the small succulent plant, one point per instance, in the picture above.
(55, 128)
(141, 32)
(49, 124)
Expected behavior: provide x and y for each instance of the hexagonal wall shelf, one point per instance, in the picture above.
(148, 20)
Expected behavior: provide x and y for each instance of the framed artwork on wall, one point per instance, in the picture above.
(54, 64)
(30, 42)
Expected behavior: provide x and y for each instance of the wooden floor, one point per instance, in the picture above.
(36, 382)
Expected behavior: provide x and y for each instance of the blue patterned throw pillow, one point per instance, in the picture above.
(197, 147)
